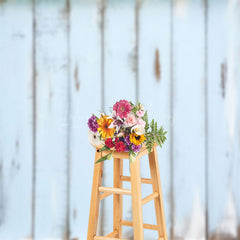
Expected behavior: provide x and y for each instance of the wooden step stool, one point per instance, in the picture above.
(99, 192)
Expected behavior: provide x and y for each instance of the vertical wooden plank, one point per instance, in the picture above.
(189, 119)
(154, 93)
(117, 198)
(136, 199)
(85, 99)
(223, 119)
(119, 83)
(52, 119)
(15, 120)
(120, 64)
(95, 197)
(156, 186)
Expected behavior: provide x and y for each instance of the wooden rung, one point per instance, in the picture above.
(104, 195)
(149, 197)
(143, 180)
(162, 238)
(112, 234)
(103, 238)
(145, 225)
(115, 190)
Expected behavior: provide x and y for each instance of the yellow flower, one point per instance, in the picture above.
(104, 122)
(137, 139)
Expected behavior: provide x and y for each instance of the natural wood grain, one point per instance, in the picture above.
(149, 198)
(95, 198)
(110, 238)
(112, 234)
(136, 199)
(115, 190)
(143, 180)
(117, 198)
(124, 155)
(156, 186)
(145, 225)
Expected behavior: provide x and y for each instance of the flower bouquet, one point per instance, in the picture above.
(126, 130)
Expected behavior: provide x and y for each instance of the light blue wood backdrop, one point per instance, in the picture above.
(62, 60)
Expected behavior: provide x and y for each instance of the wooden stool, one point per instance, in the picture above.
(99, 192)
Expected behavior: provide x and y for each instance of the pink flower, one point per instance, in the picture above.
(141, 122)
(130, 120)
(122, 108)
(140, 113)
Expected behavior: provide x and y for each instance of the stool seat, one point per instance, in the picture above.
(124, 155)
(100, 192)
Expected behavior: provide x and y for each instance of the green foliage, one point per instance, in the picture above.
(106, 157)
(132, 156)
(104, 148)
(153, 133)
(135, 108)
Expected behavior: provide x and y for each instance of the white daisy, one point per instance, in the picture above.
(94, 138)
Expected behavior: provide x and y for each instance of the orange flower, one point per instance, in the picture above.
(104, 122)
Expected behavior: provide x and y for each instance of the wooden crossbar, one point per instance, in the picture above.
(115, 190)
(145, 225)
(104, 238)
(104, 195)
(143, 180)
(112, 234)
(149, 197)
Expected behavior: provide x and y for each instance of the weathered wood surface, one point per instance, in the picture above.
(154, 88)
(60, 61)
(85, 81)
(52, 114)
(223, 119)
(16, 145)
(188, 128)
(119, 83)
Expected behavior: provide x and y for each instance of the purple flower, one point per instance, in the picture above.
(127, 140)
(92, 123)
(117, 121)
(136, 148)
(126, 148)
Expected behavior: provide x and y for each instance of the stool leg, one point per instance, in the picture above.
(117, 198)
(155, 174)
(136, 199)
(95, 200)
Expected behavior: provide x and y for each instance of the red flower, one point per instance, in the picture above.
(120, 147)
(109, 143)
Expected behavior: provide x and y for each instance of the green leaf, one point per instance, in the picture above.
(132, 156)
(106, 157)
(104, 148)
(109, 156)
